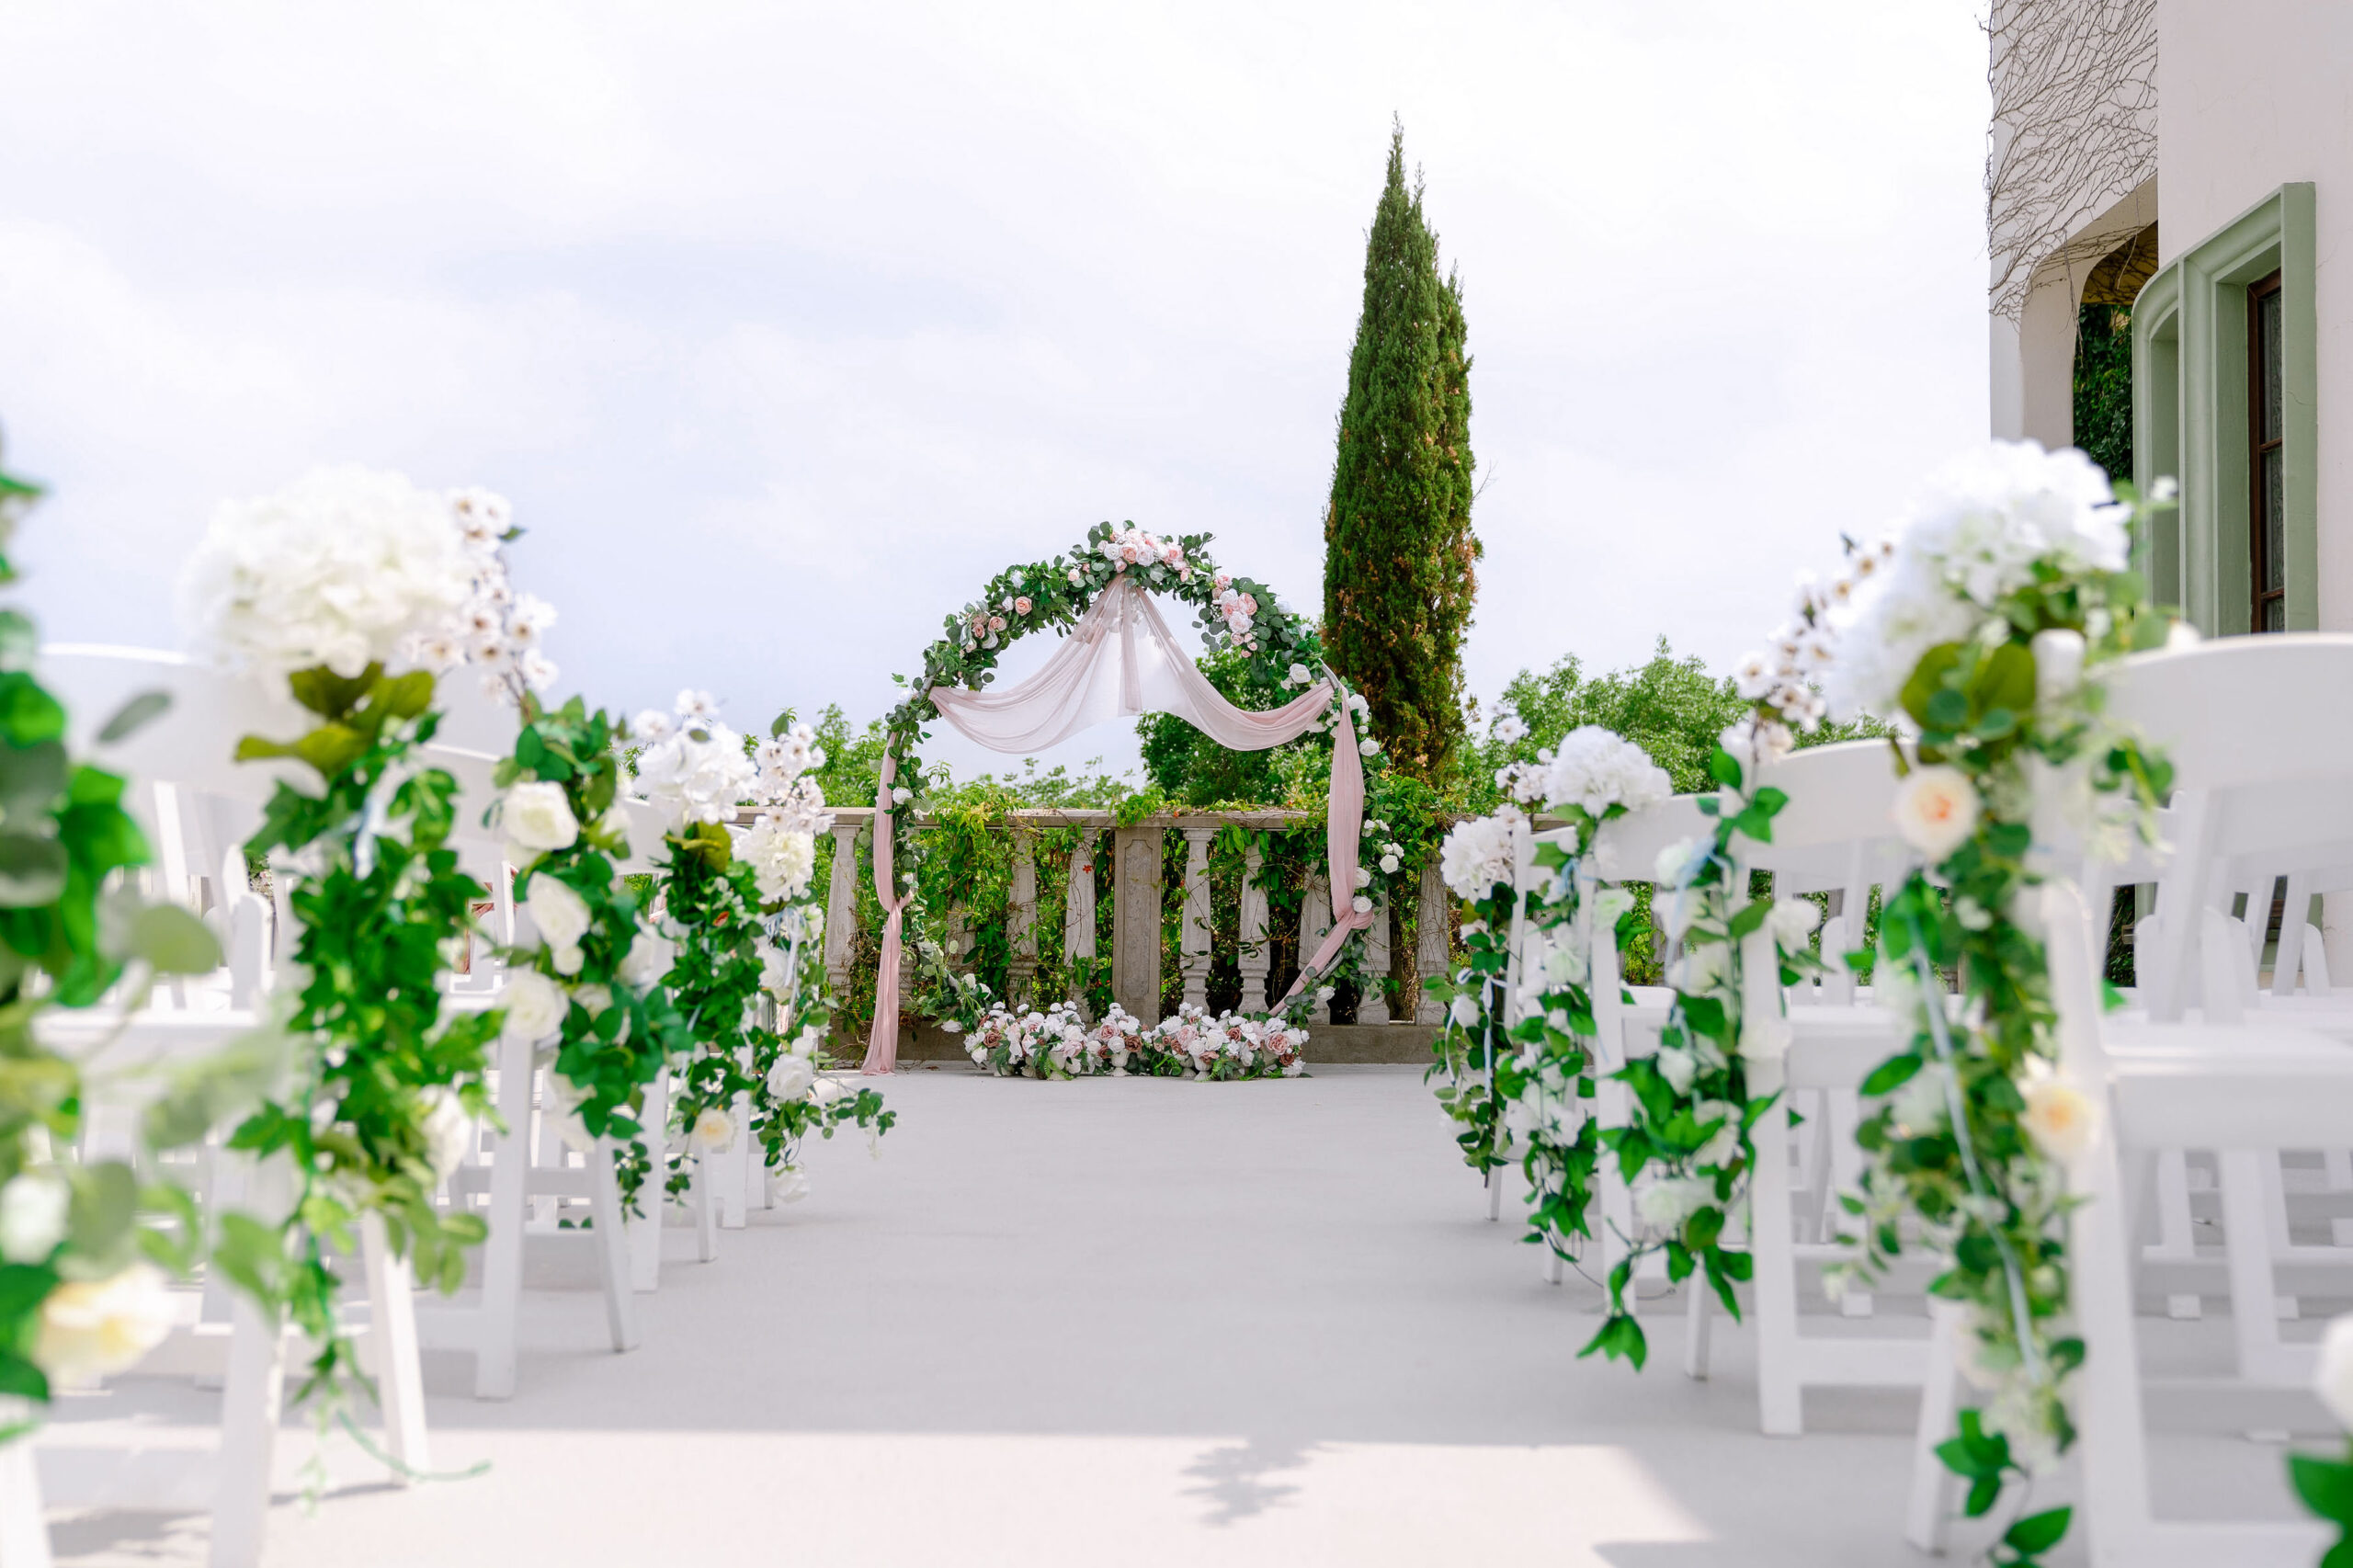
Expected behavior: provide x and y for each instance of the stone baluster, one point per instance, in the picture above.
(1254, 956)
(1022, 970)
(1372, 1007)
(1193, 936)
(1314, 920)
(1078, 914)
(1136, 921)
(841, 908)
(1431, 942)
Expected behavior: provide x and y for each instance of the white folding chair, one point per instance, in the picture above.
(2240, 1089)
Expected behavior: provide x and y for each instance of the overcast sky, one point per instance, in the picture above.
(784, 327)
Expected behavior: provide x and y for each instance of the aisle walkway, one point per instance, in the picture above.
(1111, 1322)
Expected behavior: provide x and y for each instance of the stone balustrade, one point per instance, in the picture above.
(1139, 902)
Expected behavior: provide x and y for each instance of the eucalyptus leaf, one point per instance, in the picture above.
(32, 870)
(134, 716)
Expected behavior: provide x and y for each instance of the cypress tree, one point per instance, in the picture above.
(1398, 550)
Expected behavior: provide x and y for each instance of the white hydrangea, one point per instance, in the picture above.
(782, 857)
(1971, 535)
(692, 780)
(1478, 854)
(1596, 769)
(343, 567)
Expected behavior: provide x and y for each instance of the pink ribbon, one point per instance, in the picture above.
(883, 1043)
(1343, 823)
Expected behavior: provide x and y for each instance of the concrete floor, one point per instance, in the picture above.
(1111, 1323)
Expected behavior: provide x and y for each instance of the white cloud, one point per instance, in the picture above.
(783, 325)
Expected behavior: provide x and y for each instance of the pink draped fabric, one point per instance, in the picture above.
(1119, 660)
(1343, 822)
(882, 1042)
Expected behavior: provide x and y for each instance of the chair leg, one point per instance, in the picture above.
(1780, 1407)
(2247, 1236)
(653, 1198)
(391, 1328)
(732, 1172)
(613, 1249)
(502, 1261)
(1496, 1194)
(1555, 1270)
(1697, 1314)
(706, 1212)
(24, 1538)
(1928, 1509)
(250, 1404)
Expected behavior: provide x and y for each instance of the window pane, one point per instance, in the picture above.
(2275, 543)
(2268, 323)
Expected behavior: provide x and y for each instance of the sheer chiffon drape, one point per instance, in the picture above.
(1120, 661)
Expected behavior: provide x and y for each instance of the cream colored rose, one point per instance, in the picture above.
(535, 1006)
(2333, 1378)
(789, 1078)
(647, 961)
(1935, 810)
(448, 1131)
(537, 817)
(2060, 1118)
(91, 1328)
(712, 1134)
(33, 1209)
(561, 913)
(787, 1185)
(2058, 664)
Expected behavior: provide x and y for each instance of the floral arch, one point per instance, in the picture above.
(1117, 660)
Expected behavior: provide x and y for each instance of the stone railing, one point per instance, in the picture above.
(1139, 904)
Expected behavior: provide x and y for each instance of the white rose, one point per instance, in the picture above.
(1299, 676)
(901, 795)
(712, 1134)
(1368, 746)
(534, 1005)
(1766, 1039)
(789, 1078)
(1389, 864)
(1361, 904)
(787, 1183)
(33, 1207)
(648, 960)
(2060, 1118)
(537, 816)
(449, 1129)
(806, 1042)
(595, 998)
(1793, 921)
(1675, 862)
(90, 1328)
(561, 913)
(1935, 810)
(564, 1101)
(1464, 1011)
(2058, 664)
(1665, 1204)
(1678, 1066)
(2333, 1378)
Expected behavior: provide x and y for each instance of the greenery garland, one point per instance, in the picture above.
(80, 1292)
(1973, 1135)
(615, 1027)
(379, 902)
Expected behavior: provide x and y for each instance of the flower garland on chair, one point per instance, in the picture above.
(2005, 590)
(331, 587)
(82, 1294)
(715, 905)
(1531, 1099)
